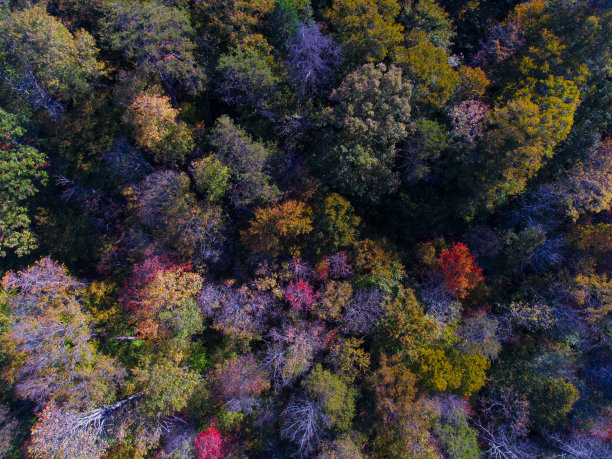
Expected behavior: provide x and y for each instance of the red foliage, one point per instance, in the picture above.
(142, 274)
(300, 295)
(460, 271)
(208, 444)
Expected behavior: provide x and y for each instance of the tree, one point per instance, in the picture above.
(300, 296)
(378, 265)
(479, 333)
(248, 162)
(279, 230)
(349, 445)
(163, 203)
(283, 24)
(334, 396)
(43, 63)
(21, 167)
(348, 359)
(429, 17)
(239, 312)
(524, 132)
(363, 311)
(366, 28)
(232, 21)
(427, 66)
(157, 39)
(238, 382)
(208, 444)
(156, 129)
(332, 299)
(402, 420)
(335, 224)
(313, 60)
(370, 117)
(59, 434)
(246, 78)
(290, 351)
(162, 299)
(589, 183)
(405, 329)
(421, 149)
(49, 340)
(9, 429)
(166, 386)
(540, 377)
(459, 440)
(303, 424)
(211, 177)
(339, 266)
(468, 119)
(459, 269)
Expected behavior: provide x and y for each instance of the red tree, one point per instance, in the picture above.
(208, 444)
(460, 271)
(300, 295)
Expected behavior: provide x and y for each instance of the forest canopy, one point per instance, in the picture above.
(332, 229)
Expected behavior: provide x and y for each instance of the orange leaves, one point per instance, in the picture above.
(460, 271)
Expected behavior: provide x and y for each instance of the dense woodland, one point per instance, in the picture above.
(290, 228)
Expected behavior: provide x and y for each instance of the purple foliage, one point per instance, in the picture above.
(363, 311)
(313, 59)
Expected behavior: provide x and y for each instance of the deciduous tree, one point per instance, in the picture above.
(43, 63)
(280, 229)
(21, 169)
(367, 29)
(156, 129)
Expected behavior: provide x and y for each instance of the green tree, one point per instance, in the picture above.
(370, 117)
(42, 63)
(21, 168)
(157, 39)
(336, 398)
(428, 67)
(248, 162)
(211, 177)
(524, 132)
(430, 17)
(166, 386)
(247, 80)
(335, 224)
(458, 439)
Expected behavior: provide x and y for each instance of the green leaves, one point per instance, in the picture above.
(21, 169)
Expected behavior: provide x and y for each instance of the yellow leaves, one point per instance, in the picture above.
(279, 229)
(367, 28)
(155, 127)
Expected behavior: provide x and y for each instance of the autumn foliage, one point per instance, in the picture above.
(460, 271)
(208, 444)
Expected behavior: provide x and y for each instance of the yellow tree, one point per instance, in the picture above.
(279, 229)
(156, 129)
(366, 28)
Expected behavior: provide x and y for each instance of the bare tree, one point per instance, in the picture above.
(313, 59)
(303, 423)
(290, 352)
(363, 311)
